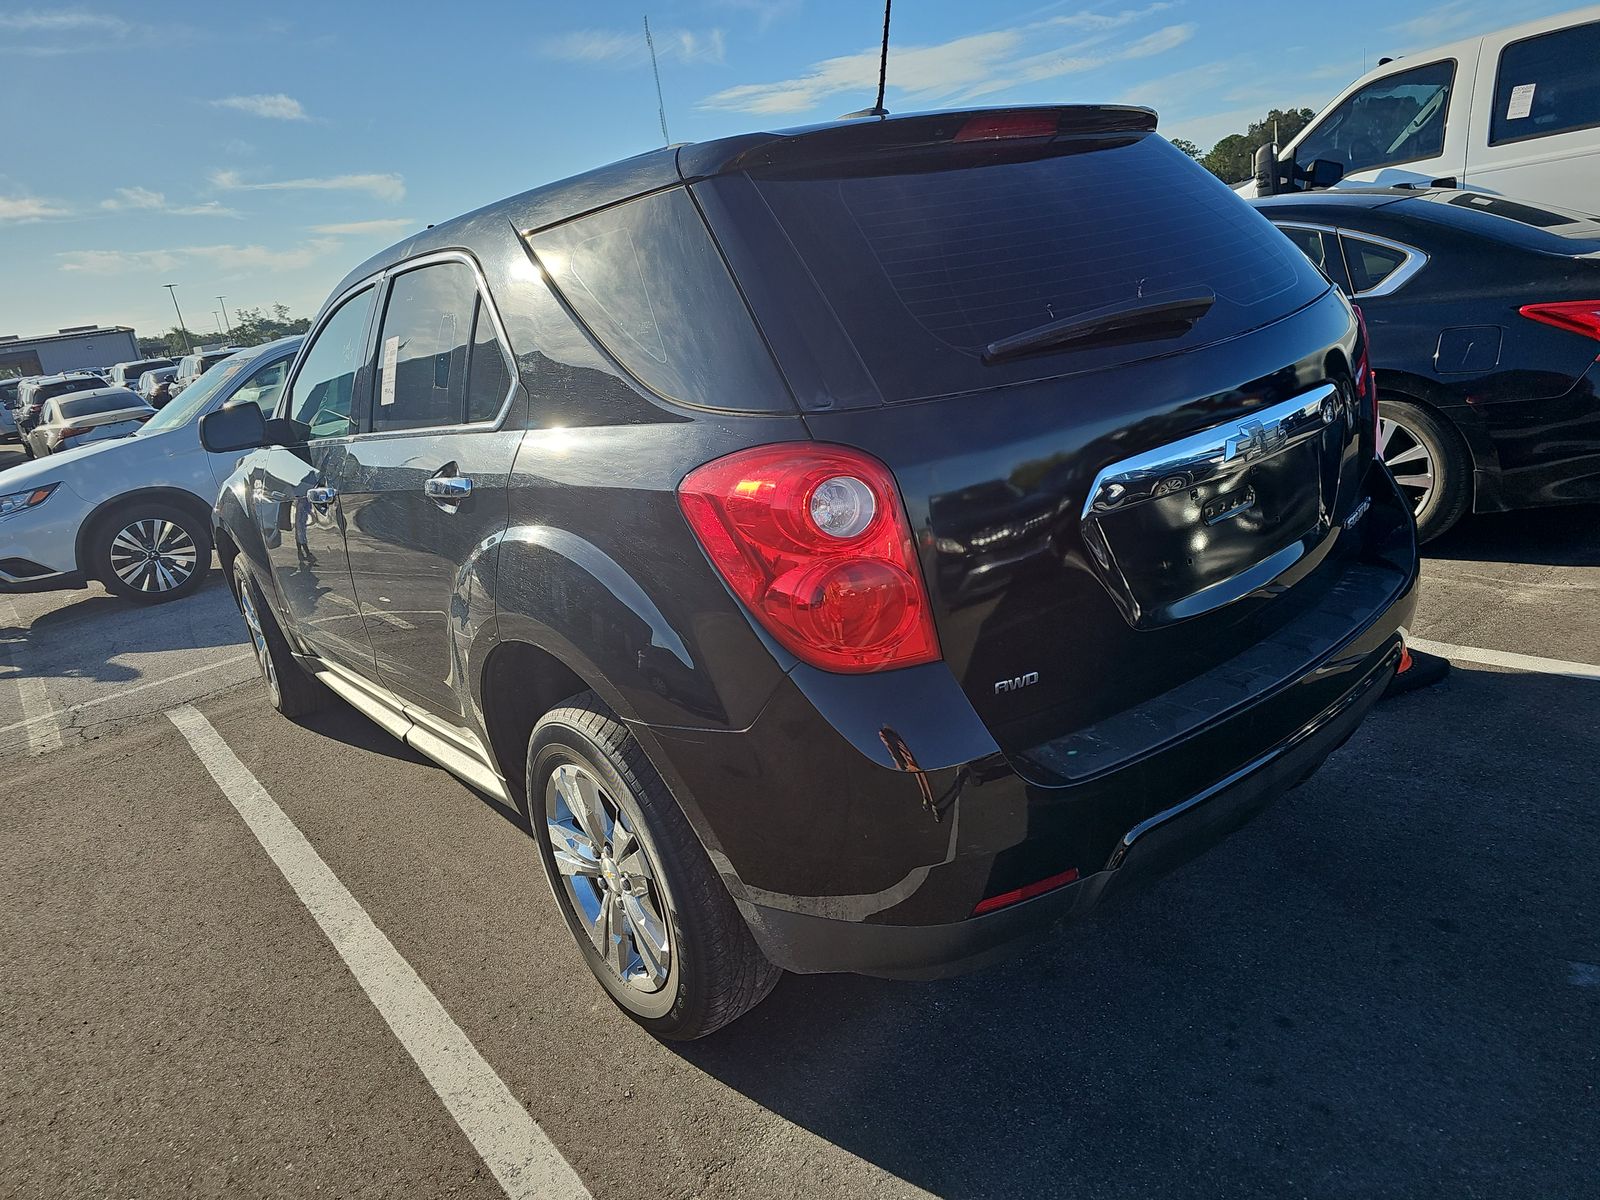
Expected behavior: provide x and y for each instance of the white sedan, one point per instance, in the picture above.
(82, 417)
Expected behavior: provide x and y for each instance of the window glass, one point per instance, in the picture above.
(262, 388)
(88, 406)
(1370, 264)
(648, 281)
(924, 258)
(323, 395)
(1547, 84)
(186, 406)
(422, 348)
(1312, 245)
(490, 377)
(1397, 119)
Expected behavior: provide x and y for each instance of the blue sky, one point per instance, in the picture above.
(259, 151)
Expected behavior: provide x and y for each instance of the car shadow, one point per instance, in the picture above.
(80, 637)
(1370, 990)
(1565, 536)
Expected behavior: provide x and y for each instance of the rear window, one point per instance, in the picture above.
(927, 258)
(66, 387)
(88, 406)
(647, 280)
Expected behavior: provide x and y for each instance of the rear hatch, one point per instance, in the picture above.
(1117, 402)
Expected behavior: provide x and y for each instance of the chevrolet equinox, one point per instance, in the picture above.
(856, 548)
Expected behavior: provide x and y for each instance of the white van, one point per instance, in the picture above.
(1511, 113)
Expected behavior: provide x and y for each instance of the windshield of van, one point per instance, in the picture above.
(928, 258)
(186, 406)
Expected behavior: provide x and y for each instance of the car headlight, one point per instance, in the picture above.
(17, 501)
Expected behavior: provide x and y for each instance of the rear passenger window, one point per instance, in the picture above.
(1320, 248)
(1370, 264)
(440, 361)
(422, 348)
(1547, 84)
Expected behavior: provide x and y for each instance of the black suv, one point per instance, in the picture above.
(859, 547)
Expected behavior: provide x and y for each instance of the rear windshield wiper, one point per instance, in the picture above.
(1144, 319)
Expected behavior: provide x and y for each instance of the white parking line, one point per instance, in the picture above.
(44, 729)
(1504, 658)
(516, 1150)
(121, 692)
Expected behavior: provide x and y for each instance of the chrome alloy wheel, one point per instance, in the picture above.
(1409, 460)
(258, 636)
(609, 877)
(153, 555)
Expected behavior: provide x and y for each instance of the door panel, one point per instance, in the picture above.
(295, 493)
(418, 561)
(418, 564)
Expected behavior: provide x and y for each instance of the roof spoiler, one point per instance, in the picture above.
(870, 135)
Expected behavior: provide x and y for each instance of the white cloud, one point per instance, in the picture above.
(765, 11)
(32, 20)
(383, 187)
(1444, 21)
(964, 68)
(276, 106)
(621, 48)
(220, 257)
(143, 199)
(384, 226)
(29, 208)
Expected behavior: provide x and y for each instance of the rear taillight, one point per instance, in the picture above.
(1367, 378)
(1575, 316)
(814, 540)
(70, 431)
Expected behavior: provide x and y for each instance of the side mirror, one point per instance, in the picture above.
(1267, 170)
(1324, 173)
(233, 427)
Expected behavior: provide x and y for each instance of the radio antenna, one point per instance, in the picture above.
(661, 104)
(878, 110)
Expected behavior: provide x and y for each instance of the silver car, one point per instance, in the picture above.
(134, 513)
(82, 417)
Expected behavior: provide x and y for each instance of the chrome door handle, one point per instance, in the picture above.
(448, 489)
(322, 495)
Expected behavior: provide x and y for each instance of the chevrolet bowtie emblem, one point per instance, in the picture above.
(1254, 439)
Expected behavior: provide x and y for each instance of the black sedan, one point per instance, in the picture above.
(1485, 322)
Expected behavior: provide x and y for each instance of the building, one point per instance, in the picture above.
(78, 348)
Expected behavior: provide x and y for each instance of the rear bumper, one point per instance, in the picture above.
(860, 820)
(806, 943)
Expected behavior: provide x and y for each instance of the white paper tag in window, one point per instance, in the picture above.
(391, 358)
(1521, 102)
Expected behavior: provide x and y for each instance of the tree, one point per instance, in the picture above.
(1233, 159)
(251, 326)
(1187, 147)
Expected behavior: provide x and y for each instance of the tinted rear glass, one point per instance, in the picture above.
(926, 259)
(66, 387)
(88, 406)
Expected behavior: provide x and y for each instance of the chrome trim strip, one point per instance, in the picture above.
(1396, 279)
(457, 751)
(1203, 457)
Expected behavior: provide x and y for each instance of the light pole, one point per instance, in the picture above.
(223, 300)
(218, 319)
(184, 329)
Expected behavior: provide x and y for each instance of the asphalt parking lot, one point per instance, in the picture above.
(1388, 985)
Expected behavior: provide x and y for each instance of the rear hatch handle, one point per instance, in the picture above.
(1146, 318)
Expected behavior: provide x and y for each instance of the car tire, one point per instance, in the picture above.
(27, 448)
(121, 547)
(1429, 462)
(654, 878)
(290, 690)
